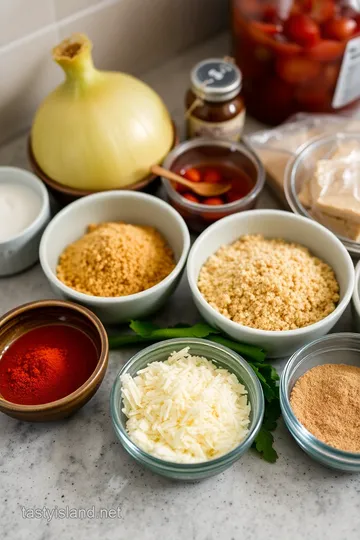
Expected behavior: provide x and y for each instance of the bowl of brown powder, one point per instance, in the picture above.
(119, 253)
(270, 278)
(320, 400)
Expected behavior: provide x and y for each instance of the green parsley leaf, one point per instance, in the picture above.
(264, 445)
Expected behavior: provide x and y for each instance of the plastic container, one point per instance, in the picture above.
(333, 349)
(302, 167)
(221, 356)
(202, 151)
(296, 55)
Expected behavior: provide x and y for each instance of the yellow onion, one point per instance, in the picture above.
(98, 129)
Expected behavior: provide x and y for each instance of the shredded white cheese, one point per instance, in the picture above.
(185, 409)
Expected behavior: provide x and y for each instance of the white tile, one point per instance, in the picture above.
(19, 18)
(136, 35)
(114, 32)
(28, 74)
(65, 8)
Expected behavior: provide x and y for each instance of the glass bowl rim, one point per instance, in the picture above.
(308, 439)
(289, 177)
(147, 458)
(185, 146)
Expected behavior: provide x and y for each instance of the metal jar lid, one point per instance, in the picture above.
(216, 80)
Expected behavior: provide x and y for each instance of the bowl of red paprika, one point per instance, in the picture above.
(53, 358)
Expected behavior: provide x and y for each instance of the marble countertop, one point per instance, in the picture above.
(57, 469)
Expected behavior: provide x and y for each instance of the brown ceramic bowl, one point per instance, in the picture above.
(19, 320)
(65, 195)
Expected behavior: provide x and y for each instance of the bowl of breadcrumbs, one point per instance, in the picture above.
(119, 253)
(270, 278)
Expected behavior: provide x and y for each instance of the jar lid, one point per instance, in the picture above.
(216, 80)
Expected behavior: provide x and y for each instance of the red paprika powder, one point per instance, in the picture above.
(46, 364)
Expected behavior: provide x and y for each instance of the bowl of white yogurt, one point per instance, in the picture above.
(24, 214)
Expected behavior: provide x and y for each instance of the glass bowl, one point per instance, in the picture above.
(201, 151)
(221, 356)
(303, 166)
(342, 348)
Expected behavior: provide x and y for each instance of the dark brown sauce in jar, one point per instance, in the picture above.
(214, 105)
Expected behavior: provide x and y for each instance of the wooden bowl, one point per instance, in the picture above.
(28, 316)
(65, 194)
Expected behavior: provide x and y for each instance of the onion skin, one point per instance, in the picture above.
(98, 130)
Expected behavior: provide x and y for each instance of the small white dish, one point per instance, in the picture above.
(128, 206)
(272, 224)
(22, 250)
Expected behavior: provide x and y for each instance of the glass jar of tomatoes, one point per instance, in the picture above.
(297, 55)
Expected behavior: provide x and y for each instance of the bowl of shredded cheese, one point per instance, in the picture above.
(186, 409)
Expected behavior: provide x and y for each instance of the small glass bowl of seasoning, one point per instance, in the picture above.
(214, 105)
(320, 387)
(222, 357)
(212, 161)
(24, 214)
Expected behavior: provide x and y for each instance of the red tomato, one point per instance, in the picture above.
(302, 29)
(192, 174)
(304, 6)
(322, 10)
(339, 29)
(326, 50)
(270, 14)
(256, 31)
(267, 28)
(211, 176)
(297, 70)
(285, 48)
(213, 201)
(191, 197)
(214, 216)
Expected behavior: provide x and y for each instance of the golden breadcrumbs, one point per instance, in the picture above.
(116, 259)
(268, 284)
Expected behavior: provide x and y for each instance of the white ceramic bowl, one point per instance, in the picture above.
(129, 206)
(272, 223)
(356, 298)
(22, 250)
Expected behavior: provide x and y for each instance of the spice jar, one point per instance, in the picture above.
(214, 105)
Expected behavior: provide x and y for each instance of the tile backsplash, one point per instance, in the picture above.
(128, 35)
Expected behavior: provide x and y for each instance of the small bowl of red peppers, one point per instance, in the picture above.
(213, 161)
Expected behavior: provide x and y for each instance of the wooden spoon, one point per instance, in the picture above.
(201, 188)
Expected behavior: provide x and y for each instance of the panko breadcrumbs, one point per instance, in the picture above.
(116, 259)
(269, 284)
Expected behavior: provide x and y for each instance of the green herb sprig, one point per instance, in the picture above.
(147, 332)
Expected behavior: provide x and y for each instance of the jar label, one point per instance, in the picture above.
(230, 129)
(348, 84)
